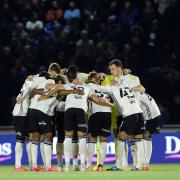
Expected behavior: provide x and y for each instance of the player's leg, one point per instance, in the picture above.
(69, 124)
(138, 140)
(90, 151)
(75, 151)
(81, 119)
(121, 148)
(28, 149)
(116, 123)
(46, 128)
(133, 151)
(122, 155)
(105, 131)
(34, 129)
(152, 127)
(20, 139)
(68, 149)
(128, 127)
(93, 129)
(34, 150)
(42, 149)
(29, 143)
(61, 137)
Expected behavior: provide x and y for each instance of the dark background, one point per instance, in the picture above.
(144, 34)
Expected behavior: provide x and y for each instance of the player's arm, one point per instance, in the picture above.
(34, 92)
(54, 88)
(59, 90)
(77, 82)
(66, 92)
(100, 101)
(138, 88)
(136, 85)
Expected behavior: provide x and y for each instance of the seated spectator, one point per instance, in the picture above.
(72, 12)
(50, 25)
(58, 12)
(19, 34)
(34, 23)
(129, 14)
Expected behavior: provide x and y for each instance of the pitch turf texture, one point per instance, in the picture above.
(157, 172)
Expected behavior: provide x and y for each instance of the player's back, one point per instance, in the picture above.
(99, 93)
(128, 80)
(125, 100)
(46, 106)
(20, 109)
(148, 105)
(75, 100)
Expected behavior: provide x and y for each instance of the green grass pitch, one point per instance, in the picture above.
(156, 172)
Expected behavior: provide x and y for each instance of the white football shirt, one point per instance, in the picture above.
(75, 100)
(128, 80)
(46, 106)
(124, 98)
(148, 105)
(22, 108)
(94, 108)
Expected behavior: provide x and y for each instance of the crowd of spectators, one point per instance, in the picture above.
(145, 34)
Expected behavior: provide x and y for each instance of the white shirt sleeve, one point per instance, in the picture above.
(82, 76)
(134, 81)
(36, 82)
(107, 89)
(67, 87)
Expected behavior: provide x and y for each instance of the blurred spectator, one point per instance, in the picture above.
(85, 50)
(72, 12)
(50, 25)
(19, 35)
(34, 23)
(175, 109)
(54, 10)
(129, 14)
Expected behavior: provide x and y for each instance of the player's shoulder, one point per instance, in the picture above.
(82, 76)
(51, 81)
(131, 77)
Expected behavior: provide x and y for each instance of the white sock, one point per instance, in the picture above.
(125, 157)
(60, 151)
(117, 163)
(42, 153)
(28, 149)
(82, 150)
(121, 148)
(67, 151)
(149, 151)
(145, 151)
(18, 154)
(103, 151)
(139, 154)
(90, 153)
(133, 152)
(47, 153)
(34, 151)
(75, 153)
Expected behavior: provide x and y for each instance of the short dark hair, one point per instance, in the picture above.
(55, 67)
(58, 78)
(92, 75)
(73, 69)
(116, 62)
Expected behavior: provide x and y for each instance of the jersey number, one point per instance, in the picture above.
(127, 93)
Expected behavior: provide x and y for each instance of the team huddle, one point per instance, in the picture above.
(83, 110)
